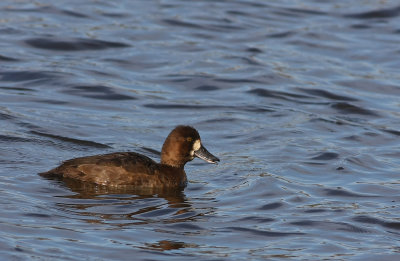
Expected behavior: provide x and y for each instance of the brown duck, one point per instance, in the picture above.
(130, 168)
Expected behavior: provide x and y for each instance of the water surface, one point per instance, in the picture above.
(299, 100)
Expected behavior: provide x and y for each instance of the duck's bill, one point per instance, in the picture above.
(203, 154)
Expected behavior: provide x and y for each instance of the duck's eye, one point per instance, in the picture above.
(189, 139)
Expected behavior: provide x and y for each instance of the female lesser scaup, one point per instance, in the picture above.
(130, 168)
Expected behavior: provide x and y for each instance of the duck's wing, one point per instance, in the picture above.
(121, 168)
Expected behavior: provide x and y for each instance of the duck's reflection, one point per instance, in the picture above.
(164, 245)
(90, 190)
(123, 205)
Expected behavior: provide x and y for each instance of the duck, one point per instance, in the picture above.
(182, 145)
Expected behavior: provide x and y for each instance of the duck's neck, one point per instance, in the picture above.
(172, 163)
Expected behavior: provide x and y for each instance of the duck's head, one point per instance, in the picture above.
(182, 145)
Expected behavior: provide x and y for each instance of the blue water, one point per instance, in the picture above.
(299, 99)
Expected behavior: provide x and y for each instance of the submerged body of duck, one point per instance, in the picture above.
(130, 168)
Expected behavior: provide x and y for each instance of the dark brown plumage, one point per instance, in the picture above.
(130, 168)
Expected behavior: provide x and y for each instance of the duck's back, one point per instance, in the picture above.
(122, 168)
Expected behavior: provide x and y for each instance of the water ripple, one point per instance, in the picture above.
(347, 108)
(97, 92)
(264, 233)
(71, 140)
(77, 44)
(371, 220)
(382, 13)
